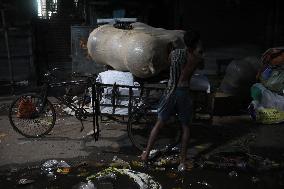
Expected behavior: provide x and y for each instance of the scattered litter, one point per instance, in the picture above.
(13, 170)
(164, 161)
(175, 149)
(254, 179)
(110, 175)
(233, 174)
(239, 161)
(119, 163)
(64, 170)
(181, 167)
(3, 135)
(25, 181)
(100, 164)
(172, 174)
(83, 185)
(138, 164)
(22, 83)
(153, 153)
(91, 132)
(144, 181)
(160, 168)
(201, 147)
(82, 164)
(83, 173)
(50, 166)
(25, 142)
(205, 184)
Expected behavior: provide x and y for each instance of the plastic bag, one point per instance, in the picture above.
(240, 75)
(118, 77)
(273, 79)
(26, 108)
(266, 98)
(200, 82)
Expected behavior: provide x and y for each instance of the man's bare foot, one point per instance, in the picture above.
(144, 156)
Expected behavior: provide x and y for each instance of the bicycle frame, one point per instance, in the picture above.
(80, 112)
(134, 102)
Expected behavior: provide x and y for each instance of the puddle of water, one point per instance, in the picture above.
(132, 175)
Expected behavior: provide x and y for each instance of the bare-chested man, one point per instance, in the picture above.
(176, 99)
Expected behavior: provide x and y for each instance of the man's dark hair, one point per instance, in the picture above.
(191, 38)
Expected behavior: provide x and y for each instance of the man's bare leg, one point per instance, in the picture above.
(184, 143)
(159, 124)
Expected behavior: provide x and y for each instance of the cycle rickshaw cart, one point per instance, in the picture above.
(135, 106)
(138, 104)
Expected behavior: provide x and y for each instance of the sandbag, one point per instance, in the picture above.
(240, 75)
(142, 50)
(269, 116)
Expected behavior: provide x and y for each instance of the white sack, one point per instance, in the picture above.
(142, 50)
(200, 82)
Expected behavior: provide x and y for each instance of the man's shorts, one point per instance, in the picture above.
(178, 103)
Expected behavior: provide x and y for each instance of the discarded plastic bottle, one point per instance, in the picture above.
(88, 185)
(233, 174)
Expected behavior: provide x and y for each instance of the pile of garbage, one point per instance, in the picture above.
(238, 161)
(143, 180)
(267, 106)
(161, 172)
(111, 173)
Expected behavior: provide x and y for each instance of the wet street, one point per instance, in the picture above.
(233, 152)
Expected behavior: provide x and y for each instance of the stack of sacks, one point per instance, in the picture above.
(268, 96)
(119, 78)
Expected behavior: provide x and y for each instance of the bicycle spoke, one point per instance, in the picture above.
(35, 121)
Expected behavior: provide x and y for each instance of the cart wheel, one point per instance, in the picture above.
(30, 117)
(140, 125)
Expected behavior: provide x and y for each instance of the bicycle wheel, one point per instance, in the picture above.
(31, 117)
(140, 125)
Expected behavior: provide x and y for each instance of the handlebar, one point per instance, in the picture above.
(51, 76)
(84, 75)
